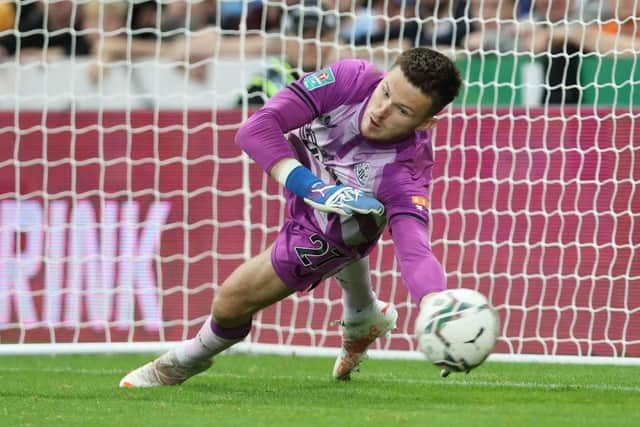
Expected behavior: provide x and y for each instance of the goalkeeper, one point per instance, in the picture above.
(358, 156)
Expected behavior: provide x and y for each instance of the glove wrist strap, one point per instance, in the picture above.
(300, 180)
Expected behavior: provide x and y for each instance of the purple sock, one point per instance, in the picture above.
(210, 340)
(230, 333)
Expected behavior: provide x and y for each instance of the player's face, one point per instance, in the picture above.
(395, 109)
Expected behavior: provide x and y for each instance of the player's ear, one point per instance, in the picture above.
(428, 123)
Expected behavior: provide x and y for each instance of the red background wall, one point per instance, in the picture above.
(538, 209)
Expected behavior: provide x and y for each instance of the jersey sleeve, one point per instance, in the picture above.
(346, 82)
(421, 271)
(262, 135)
(404, 192)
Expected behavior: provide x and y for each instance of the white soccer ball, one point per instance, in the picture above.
(457, 329)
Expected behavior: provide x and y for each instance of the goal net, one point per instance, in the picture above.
(124, 202)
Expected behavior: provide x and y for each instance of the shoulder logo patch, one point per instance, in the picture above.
(363, 171)
(420, 202)
(318, 79)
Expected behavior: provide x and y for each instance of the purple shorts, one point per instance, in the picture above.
(302, 257)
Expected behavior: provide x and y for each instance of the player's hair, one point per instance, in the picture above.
(433, 73)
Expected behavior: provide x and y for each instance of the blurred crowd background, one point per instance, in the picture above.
(302, 36)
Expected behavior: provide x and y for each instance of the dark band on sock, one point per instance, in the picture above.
(230, 333)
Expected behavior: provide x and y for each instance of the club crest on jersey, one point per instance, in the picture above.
(319, 79)
(363, 172)
(326, 121)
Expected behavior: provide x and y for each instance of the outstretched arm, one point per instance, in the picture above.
(421, 271)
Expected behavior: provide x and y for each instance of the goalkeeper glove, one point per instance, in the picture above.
(340, 199)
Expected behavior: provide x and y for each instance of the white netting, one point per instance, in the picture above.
(124, 202)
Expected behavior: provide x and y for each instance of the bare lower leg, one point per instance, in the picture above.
(251, 287)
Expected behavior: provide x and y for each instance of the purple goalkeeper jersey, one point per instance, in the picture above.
(331, 145)
(321, 113)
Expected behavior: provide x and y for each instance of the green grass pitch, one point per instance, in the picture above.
(258, 390)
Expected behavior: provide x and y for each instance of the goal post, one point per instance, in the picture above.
(125, 203)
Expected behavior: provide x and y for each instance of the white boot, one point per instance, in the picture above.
(357, 337)
(165, 370)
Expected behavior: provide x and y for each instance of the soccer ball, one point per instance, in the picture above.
(457, 330)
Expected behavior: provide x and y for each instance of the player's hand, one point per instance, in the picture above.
(343, 200)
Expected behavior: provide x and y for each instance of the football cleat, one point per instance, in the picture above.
(357, 337)
(165, 370)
